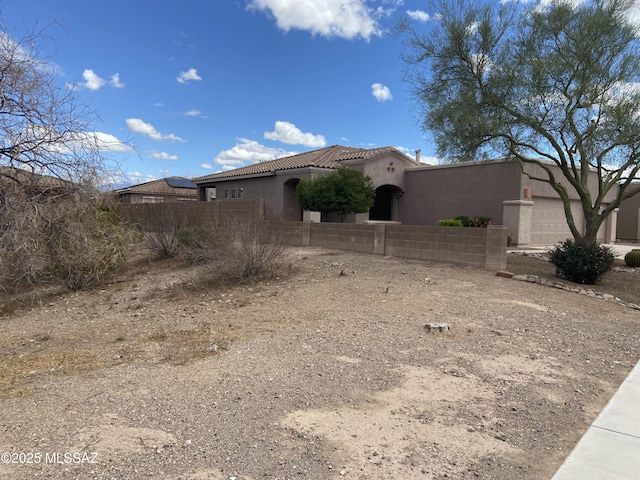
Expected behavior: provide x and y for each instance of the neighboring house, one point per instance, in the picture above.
(165, 190)
(275, 181)
(412, 193)
(35, 184)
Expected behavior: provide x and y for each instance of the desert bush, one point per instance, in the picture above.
(580, 261)
(23, 259)
(164, 223)
(632, 258)
(73, 238)
(200, 244)
(250, 247)
(449, 222)
(237, 249)
(86, 243)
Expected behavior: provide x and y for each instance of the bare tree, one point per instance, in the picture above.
(42, 127)
(48, 154)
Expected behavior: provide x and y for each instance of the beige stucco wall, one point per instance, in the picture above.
(433, 193)
(541, 189)
(629, 219)
(270, 188)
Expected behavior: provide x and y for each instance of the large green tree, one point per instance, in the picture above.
(343, 191)
(550, 83)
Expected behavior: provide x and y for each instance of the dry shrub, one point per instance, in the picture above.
(164, 223)
(200, 244)
(73, 238)
(87, 245)
(251, 248)
(240, 248)
(23, 259)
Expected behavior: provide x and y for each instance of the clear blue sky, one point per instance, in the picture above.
(200, 86)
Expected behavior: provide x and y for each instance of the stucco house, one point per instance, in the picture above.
(412, 193)
(170, 189)
(275, 181)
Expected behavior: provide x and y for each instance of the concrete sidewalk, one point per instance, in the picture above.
(610, 448)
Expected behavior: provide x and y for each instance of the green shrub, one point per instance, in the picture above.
(449, 222)
(632, 258)
(582, 262)
(474, 221)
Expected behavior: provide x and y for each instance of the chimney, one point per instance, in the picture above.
(418, 156)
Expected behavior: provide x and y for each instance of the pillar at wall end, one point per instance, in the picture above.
(517, 216)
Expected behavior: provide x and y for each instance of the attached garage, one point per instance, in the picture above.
(549, 224)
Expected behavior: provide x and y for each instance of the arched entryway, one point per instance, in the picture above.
(291, 210)
(384, 205)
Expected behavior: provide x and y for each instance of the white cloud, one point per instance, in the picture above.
(107, 142)
(288, 133)
(207, 166)
(418, 15)
(138, 177)
(381, 92)
(193, 113)
(136, 125)
(191, 74)
(328, 18)
(114, 81)
(164, 173)
(92, 81)
(163, 156)
(247, 152)
(92, 141)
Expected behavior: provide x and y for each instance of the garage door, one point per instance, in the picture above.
(548, 222)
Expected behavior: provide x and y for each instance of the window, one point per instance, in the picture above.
(233, 193)
(226, 194)
(240, 191)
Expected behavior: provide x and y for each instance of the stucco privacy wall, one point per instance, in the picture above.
(151, 216)
(479, 247)
(434, 193)
(629, 219)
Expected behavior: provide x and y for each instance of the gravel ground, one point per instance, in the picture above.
(325, 373)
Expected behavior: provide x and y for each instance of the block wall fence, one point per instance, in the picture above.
(480, 247)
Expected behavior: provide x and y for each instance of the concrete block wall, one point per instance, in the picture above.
(343, 236)
(295, 233)
(480, 247)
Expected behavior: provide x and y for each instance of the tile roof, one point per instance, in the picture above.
(39, 181)
(164, 186)
(328, 157)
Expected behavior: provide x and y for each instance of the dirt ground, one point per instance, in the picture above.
(325, 373)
